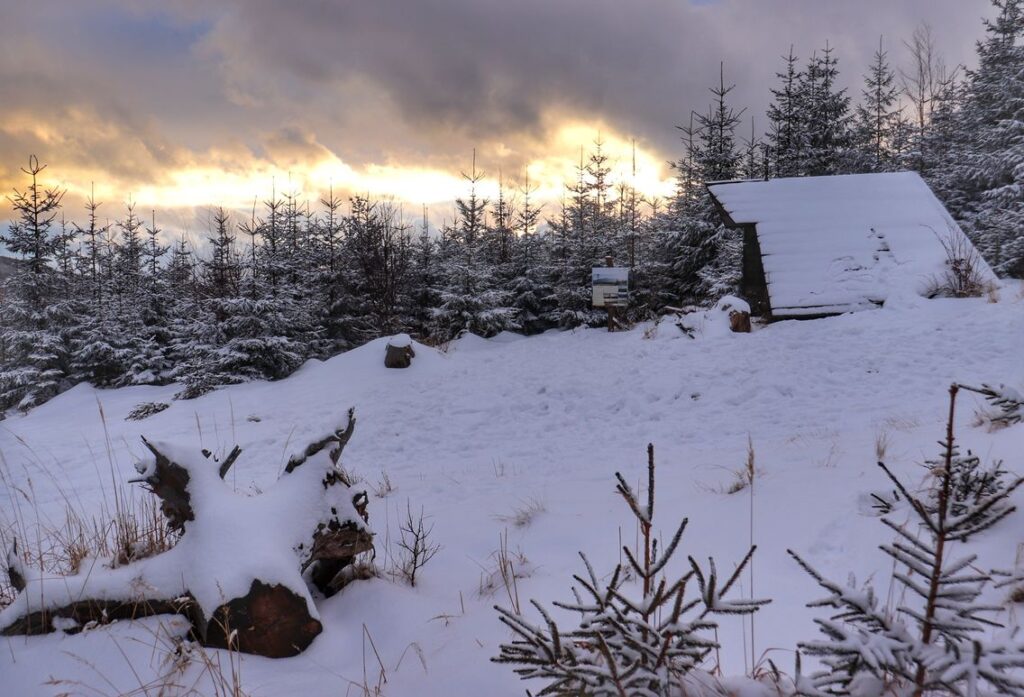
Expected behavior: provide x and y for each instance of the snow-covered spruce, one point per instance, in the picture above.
(624, 645)
(241, 568)
(934, 642)
(1007, 403)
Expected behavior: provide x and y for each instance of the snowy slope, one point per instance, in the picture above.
(474, 434)
(842, 243)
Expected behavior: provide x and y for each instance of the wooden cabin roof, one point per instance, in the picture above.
(843, 243)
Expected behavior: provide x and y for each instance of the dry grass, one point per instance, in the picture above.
(503, 572)
(739, 482)
(524, 514)
(833, 455)
(901, 423)
(183, 668)
(882, 443)
(126, 526)
(742, 478)
(962, 277)
(384, 487)
(134, 529)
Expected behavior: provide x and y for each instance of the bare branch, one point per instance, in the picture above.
(340, 438)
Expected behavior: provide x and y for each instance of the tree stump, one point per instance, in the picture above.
(738, 312)
(739, 321)
(399, 352)
(270, 620)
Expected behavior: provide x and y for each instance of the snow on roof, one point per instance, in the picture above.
(842, 243)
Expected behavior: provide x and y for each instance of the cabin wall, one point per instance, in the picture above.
(753, 283)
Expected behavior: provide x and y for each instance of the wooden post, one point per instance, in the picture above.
(609, 262)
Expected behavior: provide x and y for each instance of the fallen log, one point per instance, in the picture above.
(237, 571)
(74, 617)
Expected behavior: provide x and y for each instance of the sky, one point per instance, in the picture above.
(181, 105)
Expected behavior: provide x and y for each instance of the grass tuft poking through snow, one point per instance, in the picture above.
(524, 514)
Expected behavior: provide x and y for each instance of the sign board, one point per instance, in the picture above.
(611, 286)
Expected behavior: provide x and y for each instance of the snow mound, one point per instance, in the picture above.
(714, 322)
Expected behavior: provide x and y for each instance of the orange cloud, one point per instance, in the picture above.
(294, 160)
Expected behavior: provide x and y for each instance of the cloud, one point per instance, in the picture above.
(179, 98)
(488, 68)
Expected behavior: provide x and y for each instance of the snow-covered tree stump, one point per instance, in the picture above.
(399, 352)
(738, 311)
(239, 571)
(739, 321)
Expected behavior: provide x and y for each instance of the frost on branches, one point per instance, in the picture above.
(624, 645)
(1007, 403)
(937, 640)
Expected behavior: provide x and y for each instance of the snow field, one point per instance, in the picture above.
(493, 426)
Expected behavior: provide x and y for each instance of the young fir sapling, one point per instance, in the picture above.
(934, 642)
(1007, 403)
(623, 645)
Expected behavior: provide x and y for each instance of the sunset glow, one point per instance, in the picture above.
(180, 107)
(236, 183)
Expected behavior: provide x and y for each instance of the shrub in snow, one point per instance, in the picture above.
(965, 274)
(934, 642)
(415, 545)
(145, 410)
(624, 644)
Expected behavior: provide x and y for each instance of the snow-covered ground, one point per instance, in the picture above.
(491, 427)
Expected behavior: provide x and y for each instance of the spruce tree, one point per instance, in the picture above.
(787, 137)
(151, 364)
(640, 631)
(98, 353)
(935, 641)
(471, 300)
(699, 257)
(425, 279)
(877, 117)
(988, 179)
(380, 246)
(36, 324)
(532, 294)
(825, 113)
(92, 242)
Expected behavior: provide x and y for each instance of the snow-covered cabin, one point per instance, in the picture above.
(817, 246)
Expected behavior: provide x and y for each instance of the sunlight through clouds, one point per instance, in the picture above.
(235, 182)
